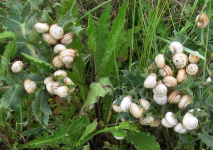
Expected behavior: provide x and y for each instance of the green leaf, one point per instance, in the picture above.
(7, 34)
(142, 140)
(118, 132)
(32, 131)
(206, 138)
(86, 147)
(107, 102)
(10, 50)
(64, 20)
(46, 17)
(98, 89)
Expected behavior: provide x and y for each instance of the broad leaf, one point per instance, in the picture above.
(206, 138)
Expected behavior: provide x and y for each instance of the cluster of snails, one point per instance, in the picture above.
(54, 87)
(66, 56)
(127, 105)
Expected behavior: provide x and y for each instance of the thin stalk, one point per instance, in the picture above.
(8, 135)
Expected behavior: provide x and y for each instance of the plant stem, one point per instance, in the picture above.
(8, 135)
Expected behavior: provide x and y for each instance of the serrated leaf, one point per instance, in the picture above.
(32, 131)
(98, 89)
(86, 147)
(118, 132)
(206, 138)
(46, 17)
(142, 140)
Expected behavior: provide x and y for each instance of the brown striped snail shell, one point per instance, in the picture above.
(176, 47)
(170, 81)
(67, 38)
(146, 120)
(55, 86)
(67, 56)
(180, 60)
(30, 86)
(41, 27)
(156, 123)
(17, 66)
(116, 108)
(58, 48)
(193, 59)
(166, 71)
(203, 21)
(62, 91)
(160, 100)
(192, 69)
(181, 76)
(48, 79)
(144, 103)
(160, 89)
(184, 101)
(56, 32)
(60, 72)
(174, 97)
(150, 81)
(49, 39)
(136, 111)
(160, 61)
(57, 62)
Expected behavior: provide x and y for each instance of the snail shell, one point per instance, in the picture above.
(170, 119)
(144, 103)
(125, 103)
(30, 86)
(160, 61)
(17, 66)
(203, 21)
(160, 100)
(146, 120)
(68, 81)
(165, 123)
(57, 62)
(116, 108)
(62, 91)
(60, 72)
(55, 86)
(41, 27)
(150, 81)
(58, 48)
(181, 76)
(156, 123)
(208, 80)
(170, 81)
(180, 60)
(48, 79)
(56, 32)
(189, 121)
(136, 111)
(49, 87)
(193, 59)
(49, 39)
(166, 71)
(67, 38)
(67, 56)
(184, 101)
(179, 128)
(119, 138)
(160, 90)
(174, 97)
(192, 69)
(176, 47)
(68, 66)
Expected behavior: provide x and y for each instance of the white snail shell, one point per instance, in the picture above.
(174, 97)
(57, 62)
(144, 103)
(48, 79)
(184, 101)
(208, 80)
(17, 66)
(160, 100)
(62, 91)
(30, 86)
(156, 123)
(189, 121)
(165, 123)
(193, 59)
(119, 138)
(68, 66)
(166, 71)
(181, 76)
(203, 21)
(49, 39)
(192, 69)
(60, 72)
(136, 111)
(160, 90)
(42, 27)
(179, 128)
(146, 120)
(67, 38)
(58, 48)
(160, 61)
(176, 47)
(180, 60)
(49, 87)
(125, 103)
(68, 81)
(55, 86)
(170, 81)
(170, 119)
(67, 56)
(116, 108)
(150, 81)
(56, 32)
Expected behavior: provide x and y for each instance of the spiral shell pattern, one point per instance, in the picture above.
(17, 66)
(160, 90)
(174, 97)
(67, 56)
(62, 91)
(203, 21)
(55, 86)
(160, 61)
(165, 123)
(49, 39)
(30, 86)
(184, 101)
(156, 123)
(160, 100)
(41, 27)
(49, 87)
(179, 128)
(57, 62)
(166, 71)
(136, 111)
(150, 81)
(180, 60)
(176, 47)
(125, 103)
(144, 103)
(60, 72)
(56, 32)
(58, 48)
(189, 121)
(146, 120)
(181, 76)
(170, 81)
(48, 79)
(116, 108)
(67, 38)
(192, 69)
(170, 119)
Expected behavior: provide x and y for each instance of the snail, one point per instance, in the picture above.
(57, 62)
(68, 66)
(180, 60)
(181, 76)
(179, 128)
(56, 32)
(160, 61)
(60, 72)
(58, 48)
(174, 97)
(116, 108)
(41, 27)
(144, 103)
(62, 91)
(67, 56)
(176, 47)
(193, 59)
(17, 66)
(48, 79)
(208, 80)
(49, 87)
(150, 81)
(49, 39)
(125, 103)
(68, 81)
(55, 86)
(165, 123)
(203, 21)
(160, 100)
(170, 119)
(119, 138)
(192, 69)
(67, 38)
(156, 123)
(166, 71)
(170, 81)
(136, 111)
(146, 120)
(160, 89)
(184, 101)
(30, 86)
(190, 122)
